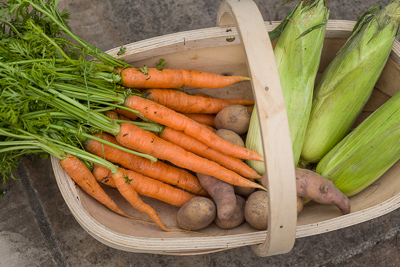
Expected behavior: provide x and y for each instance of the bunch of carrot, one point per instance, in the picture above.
(55, 101)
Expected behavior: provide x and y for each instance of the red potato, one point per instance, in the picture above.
(222, 193)
(313, 186)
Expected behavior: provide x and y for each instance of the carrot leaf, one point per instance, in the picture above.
(121, 51)
(127, 180)
(144, 70)
(161, 64)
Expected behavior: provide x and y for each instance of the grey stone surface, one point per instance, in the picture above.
(37, 228)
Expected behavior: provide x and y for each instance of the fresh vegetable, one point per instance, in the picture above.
(22, 142)
(196, 214)
(297, 55)
(128, 114)
(300, 204)
(145, 186)
(161, 114)
(174, 78)
(244, 102)
(244, 191)
(314, 187)
(206, 119)
(235, 118)
(347, 83)
(222, 193)
(127, 191)
(184, 103)
(115, 115)
(85, 179)
(192, 145)
(237, 217)
(138, 139)
(157, 170)
(367, 152)
(256, 210)
(230, 136)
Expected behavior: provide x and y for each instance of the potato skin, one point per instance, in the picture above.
(234, 117)
(256, 210)
(236, 219)
(196, 214)
(300, 204)
(230, 136)
(244, 191)
(315, 187)
(222, 193)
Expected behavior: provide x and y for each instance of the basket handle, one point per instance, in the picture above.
(277, 146)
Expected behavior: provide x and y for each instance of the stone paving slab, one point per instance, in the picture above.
(37, 228)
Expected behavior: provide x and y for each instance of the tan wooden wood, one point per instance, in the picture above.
(277, 146)
(209, 50)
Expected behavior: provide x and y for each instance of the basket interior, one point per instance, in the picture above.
(229, 60)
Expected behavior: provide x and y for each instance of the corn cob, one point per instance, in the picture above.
(367, 152)
(347, 83)
(297, 56)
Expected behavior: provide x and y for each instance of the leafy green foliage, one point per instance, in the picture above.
(121, 51)
(161, 64)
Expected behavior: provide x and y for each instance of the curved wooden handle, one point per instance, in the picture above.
(267, 91)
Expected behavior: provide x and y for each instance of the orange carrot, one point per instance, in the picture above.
(206, 119)
(146, 186)
(127, 191)
(126, 114)
(238, 101)
(135, 138)
(184, 103)
(175, 78)
(165, 116)
(116, 116)
(85, 179)
(157, 170)
(193, 145)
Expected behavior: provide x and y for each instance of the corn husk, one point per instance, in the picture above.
(367, 152)
(297, 56)
(348, 81)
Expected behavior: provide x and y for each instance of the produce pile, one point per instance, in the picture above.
(136, 128)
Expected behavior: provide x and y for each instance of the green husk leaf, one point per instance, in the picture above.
(347, 83)
(297, 55)
(367, 152)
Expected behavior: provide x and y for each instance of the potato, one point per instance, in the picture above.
(244, 191)
(221, 192)
(300, 204)
(234, 117)
(314, 187)
(236, 219)
(230, 136)
(256, 210)
(196, 214)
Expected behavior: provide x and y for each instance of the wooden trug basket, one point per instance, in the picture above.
(240, 46)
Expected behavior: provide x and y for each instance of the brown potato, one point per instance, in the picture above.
(234, 117)
(236, 219)
(230, 136)
(244, 191)
(300, 204)
(314, 187)
(196, 214)
(256, 210)
(221, 192)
